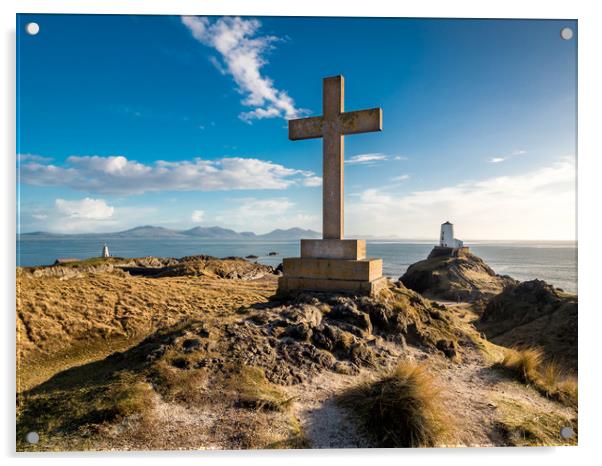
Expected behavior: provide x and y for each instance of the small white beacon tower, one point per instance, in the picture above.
(447, 237)
(105, 251)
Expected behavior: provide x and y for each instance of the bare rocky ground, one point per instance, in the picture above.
(195, 360)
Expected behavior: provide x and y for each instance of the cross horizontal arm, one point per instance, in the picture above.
(362, 121)
(305, 128)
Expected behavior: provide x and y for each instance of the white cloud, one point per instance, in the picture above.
(367, 159)
(72, 216)
(197, 216)
(86, 215)
(242, 51)
(88, 208)
(400, 157)
(118, 175)
(400, 178)
(32, 158)
(312, 181)
(506, 157)
(535, 205)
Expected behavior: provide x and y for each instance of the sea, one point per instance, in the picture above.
(552, 261)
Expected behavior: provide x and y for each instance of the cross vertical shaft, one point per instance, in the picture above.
(333, 150)
(332, 126)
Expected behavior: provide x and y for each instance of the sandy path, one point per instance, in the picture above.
(324, 422)
(467, 396)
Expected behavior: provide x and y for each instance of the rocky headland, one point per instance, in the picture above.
(455, 275)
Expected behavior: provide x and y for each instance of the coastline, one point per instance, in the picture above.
(554, 262)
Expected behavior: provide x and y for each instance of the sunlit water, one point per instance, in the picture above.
(554, 262)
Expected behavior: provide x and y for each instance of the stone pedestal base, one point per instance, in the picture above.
(336, 275)
(287, 285)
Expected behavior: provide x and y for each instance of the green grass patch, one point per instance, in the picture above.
(64, 416)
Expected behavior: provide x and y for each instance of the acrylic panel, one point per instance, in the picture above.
(295, 232)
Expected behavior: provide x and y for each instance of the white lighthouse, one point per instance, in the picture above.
(105, 251)
(447, 239)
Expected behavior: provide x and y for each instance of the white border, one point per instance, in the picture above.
(590, 213)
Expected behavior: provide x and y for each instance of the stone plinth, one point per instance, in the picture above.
(336, 269)
(338, 275)
(295, 284)
(354, 249)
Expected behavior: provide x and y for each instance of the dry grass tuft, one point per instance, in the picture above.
(547, 377)
(401, 409)
(135, 399)
(568, 388)
(173, 384)
(526, 363)
(526, 426)
(253, 390)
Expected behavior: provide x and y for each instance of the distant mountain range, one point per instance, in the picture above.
(149, 231)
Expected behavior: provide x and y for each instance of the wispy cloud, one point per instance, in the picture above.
(366, 159)
(400, 178)
(506, 157)
(263, 215)
(242, 51)
(197, 216)
(32, 158)
(534, 205)
(118, 175)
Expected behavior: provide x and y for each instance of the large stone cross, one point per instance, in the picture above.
(332, 126)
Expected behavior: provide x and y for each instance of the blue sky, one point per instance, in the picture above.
(163, 120)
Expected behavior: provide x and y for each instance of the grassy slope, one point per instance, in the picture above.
(61, 323)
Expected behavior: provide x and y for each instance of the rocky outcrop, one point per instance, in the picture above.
(534, 313)
(157, 267)
(293, 340)
(455, 274)
(229, 267)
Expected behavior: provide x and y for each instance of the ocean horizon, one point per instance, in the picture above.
(552, 261)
